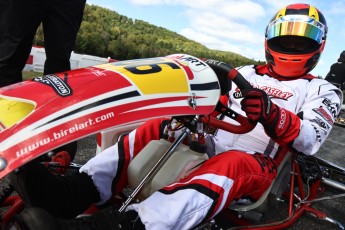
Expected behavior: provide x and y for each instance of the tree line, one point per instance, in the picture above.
(106, 33)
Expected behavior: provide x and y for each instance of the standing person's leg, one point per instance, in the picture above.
(60, 26)
(19, 20)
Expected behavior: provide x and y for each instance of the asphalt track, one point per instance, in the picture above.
(333, 150)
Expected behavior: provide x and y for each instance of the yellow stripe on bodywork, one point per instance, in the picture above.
(12, 111)
(168, 80)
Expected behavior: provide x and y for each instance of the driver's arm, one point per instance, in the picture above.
(318, 113)
(305, 131)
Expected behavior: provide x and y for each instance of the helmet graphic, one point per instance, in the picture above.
(295, 39)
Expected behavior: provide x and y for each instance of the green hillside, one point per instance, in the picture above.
(106, 33)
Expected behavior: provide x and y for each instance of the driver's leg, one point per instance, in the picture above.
(203, 194)
(184, 204)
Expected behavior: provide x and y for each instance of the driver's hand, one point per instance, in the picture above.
(258, 106)
(276, 120)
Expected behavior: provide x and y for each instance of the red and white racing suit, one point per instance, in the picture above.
(244, 165)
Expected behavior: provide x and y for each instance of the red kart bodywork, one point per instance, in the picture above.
(46, 112)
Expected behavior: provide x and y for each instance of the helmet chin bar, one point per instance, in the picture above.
(291, 65)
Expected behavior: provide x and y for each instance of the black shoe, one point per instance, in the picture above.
(63, 196)
(106, 219)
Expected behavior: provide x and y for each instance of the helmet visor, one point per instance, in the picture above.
(296, 25)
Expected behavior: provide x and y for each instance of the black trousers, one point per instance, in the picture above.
(19, 20)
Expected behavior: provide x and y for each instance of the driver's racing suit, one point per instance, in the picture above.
(244, 165)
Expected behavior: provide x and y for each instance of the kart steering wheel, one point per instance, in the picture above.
(225, 73)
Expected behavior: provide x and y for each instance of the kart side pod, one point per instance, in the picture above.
(179, 165)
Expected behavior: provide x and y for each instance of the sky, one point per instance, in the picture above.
(231, 25)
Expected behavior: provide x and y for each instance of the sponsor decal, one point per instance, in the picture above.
(97, 72)
(282, 119)
(321, 123)
(194, 63)
(332, 107)
(64, 132)
(60, 86)
(318, 136)
(189, 63)
(238, 94)
(322, 112)
(275, 93)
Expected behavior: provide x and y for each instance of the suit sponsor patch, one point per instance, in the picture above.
(322, 112)
(332, 107)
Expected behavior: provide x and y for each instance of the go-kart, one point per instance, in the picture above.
(42, 114)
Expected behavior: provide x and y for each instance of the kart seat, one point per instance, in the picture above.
(109, 137)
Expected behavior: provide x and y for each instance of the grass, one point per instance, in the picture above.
(30, 74)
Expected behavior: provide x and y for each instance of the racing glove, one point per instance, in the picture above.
(278, 122)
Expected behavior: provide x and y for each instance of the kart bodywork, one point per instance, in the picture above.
(46, 112)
